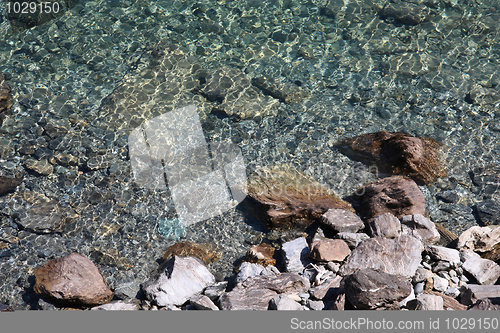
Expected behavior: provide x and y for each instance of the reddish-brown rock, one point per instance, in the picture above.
(396, 195)
(329, 250)
(397, 154)
(261, 254)
(72, 280)
(291, 199)
(206, 252)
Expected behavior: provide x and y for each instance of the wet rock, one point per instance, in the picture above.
(398, 196)
(283, 302)
(352, 239)
(167, 81)
(6, 101)
(369, 289)
(341, 220)
(471, 293)
(9, 184)
(397, 154)
(261, 254)
(399, 256)
(488, 212)
(426, 302)
(479, 239)
(232, 89)
(208, 253)
(448, 196)
(256, 292)
(385, 225)
(43, 218)
(446, 258)
(485, 305)
(289, 198)
(42, 167)
(329, 250)
(118, 306)
(72, 280)
(483, 270)
(176, 280)
(202, 302)
(248, 270)
(405, 12)
(420, 227)
(487, 179)
(284, 91)
(296, 255)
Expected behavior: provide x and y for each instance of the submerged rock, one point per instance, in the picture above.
(72, 280)
(290, 199)
(488, 212)
(6, 101)
(206, 252)
(236, 95)
(405, 12)
(395, 195)
(9, 184)
(397, 154)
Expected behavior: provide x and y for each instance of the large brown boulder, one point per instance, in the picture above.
(72, 280)
(397, 154)
(395, 195)
(291, 199)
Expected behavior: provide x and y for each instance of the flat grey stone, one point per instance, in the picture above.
(283, 302)
(430, 302)
(444, 253)
(247, 270)
(203, 302)
(385, 225)
(341, 220)
(420, 227)
(177, 280)
(296, 255)
(316, 305)
(256, 292)
(352, 239)
(485, 271)
(398, 256)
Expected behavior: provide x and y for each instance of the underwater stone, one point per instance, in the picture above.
(171, 228)
(289, 199)
(395, 195)
(206, 252)
(6, 101)
(397, 154)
